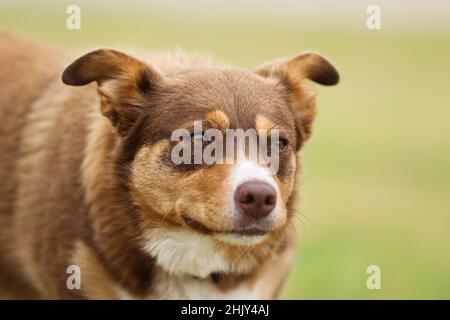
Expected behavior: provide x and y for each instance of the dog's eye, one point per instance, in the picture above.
(282, 144)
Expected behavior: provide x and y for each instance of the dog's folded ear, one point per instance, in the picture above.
(124, 84)
(307, 65)
(291, 73)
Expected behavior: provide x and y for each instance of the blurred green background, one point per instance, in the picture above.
(376, 186)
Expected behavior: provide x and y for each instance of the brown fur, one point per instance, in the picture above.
(86, 189)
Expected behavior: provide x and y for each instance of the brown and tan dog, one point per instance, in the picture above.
(87, 180)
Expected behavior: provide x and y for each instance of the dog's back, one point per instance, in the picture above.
(32, 122)
(26, 71)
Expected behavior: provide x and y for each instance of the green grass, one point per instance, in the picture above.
(376, 186)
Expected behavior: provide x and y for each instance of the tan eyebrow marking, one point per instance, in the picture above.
(219, 119)
(264, 123)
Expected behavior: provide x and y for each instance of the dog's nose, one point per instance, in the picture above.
(255, 198)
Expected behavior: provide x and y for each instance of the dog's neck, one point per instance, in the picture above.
(111, 213)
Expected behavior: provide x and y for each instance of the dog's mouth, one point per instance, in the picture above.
(250, 232)
(238, 233)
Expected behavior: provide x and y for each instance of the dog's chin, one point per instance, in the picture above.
(240, 239)
(248, 236)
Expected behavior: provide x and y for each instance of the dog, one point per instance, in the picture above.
(89, 189)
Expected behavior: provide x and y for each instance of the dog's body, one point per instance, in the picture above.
(85, 189)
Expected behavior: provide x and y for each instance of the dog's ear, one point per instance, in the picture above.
(291, 73)
(307, 65)
(124, 84)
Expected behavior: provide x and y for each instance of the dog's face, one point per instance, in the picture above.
(238, 201)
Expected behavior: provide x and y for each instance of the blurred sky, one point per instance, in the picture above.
(405, 16)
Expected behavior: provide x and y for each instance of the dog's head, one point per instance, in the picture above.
(234, 201)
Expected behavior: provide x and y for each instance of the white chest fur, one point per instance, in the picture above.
(188, 288)
(185, 255)
(194, 289)
(182, 252)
